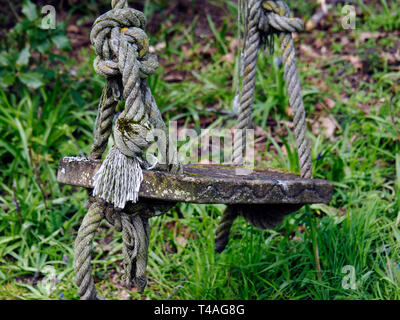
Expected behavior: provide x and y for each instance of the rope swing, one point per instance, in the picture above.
(129, 172)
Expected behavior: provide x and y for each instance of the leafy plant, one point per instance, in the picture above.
(26, 54)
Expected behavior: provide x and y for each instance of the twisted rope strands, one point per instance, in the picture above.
(142, 229)
(224, 228)
(119, 4)
(252, 45)
(123, 58)
(129, 248)
(107, 105)
(280, 20)
(296, 101)
(135, 237)
(122, 49)
(104, 122)
(248, 86)
(83, 247)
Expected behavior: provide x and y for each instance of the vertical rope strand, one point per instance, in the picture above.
(104, 122)
(83, 248)
(252, 45)
(224, 228)
(276, 18)
(250, 69)
(296, 102)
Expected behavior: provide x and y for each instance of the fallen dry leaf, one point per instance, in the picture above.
(329, 102)
(233, 45)
(175, 76)
(329, 126)
(259, 132)
(123, 295)
(369, 35)
(392, 58)
(326, 124)
(317, 17)
(309, 51)
(283, 149)
(187, 50)
(344, 40)
(73, 28)
(318, 43)
(182, 241)
(229, 57)
(107, 248)
(355, 61)
(159, 47)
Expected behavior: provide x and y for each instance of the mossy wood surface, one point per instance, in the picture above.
(210, 184)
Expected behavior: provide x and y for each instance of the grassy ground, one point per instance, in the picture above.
(350, 82)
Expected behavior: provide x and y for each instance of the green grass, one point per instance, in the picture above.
(301, 259)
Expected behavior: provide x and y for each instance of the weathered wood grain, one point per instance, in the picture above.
(210, 184)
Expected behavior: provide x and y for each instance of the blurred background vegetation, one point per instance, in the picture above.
(48, 98)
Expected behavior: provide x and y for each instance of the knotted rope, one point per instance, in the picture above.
(264, 19)
(123, 58)
(122, 47)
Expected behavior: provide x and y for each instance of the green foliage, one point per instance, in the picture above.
(24, 41)
(387, 17)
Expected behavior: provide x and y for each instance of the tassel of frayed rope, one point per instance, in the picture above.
(122, 49)
(118, 179)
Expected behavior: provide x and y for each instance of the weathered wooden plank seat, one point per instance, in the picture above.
(262, 197)
(213, 184)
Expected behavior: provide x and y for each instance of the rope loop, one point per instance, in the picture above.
(113, 217)
(122, 49)
(120, 42)
(119, 4)
(264, 19)
(278, 18)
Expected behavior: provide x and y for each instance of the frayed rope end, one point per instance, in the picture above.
(118, 179)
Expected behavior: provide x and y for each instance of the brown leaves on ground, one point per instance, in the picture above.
(315, 50)
(181, 234)
(354, 65)
(233, 48)
(325, 124)
(124, 295)
(175, 75)
(184, 13)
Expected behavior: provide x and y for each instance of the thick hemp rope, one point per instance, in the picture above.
(264, 19)
(83, 247)
(121, 47)
(123, 58)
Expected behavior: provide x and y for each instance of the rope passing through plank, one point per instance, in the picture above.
(122, 49)
(265, 19)
(123, 58)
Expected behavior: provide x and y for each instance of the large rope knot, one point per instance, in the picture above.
(122, 49)
(278, 18)
(122, 46)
